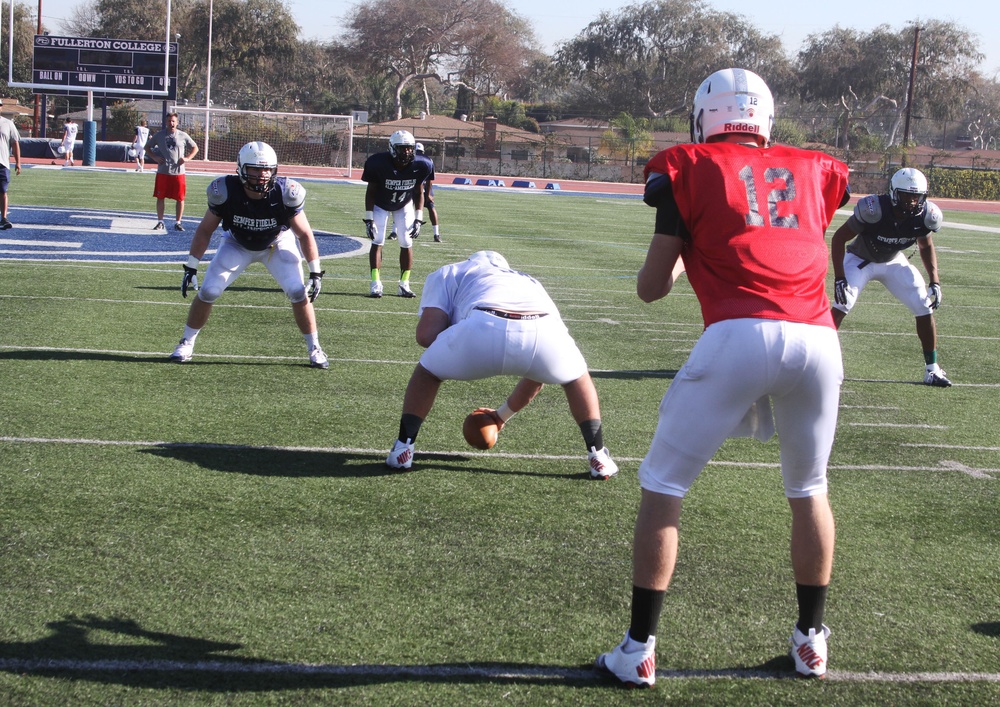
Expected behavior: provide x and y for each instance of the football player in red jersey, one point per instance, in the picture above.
(748, 218)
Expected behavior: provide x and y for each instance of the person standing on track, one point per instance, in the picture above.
(170, 148)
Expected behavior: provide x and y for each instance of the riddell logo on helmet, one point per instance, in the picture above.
(741, 128)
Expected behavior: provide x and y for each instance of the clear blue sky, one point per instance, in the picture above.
(556, 21)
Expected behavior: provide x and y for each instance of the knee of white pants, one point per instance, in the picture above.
(297, 295)
(210, 294)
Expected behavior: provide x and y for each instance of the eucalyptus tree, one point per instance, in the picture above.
(478, 45)
(647, 59)
(867, 74)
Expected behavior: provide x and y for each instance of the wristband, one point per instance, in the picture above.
(315, 265)
(193, 262)
(369, 215)
(505, 412)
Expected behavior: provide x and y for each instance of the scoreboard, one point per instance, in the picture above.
(116, 68)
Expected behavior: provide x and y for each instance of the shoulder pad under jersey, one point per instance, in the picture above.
(217, 192)
(933, 218)
(869, 209)
(293, 194)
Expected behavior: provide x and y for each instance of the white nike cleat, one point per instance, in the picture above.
(809, 652)
(602, 466)
(401, 456)
(636, 669)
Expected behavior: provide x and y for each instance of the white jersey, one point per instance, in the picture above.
(484, 340)
(69, 133)
(460, 288)
(141, 137)
(8, 134)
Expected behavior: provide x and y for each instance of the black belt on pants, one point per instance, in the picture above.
(511, 315)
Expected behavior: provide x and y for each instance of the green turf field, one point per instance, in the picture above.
(225, 532)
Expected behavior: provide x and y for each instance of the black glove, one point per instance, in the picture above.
(370, 228)
(315, 284)
(934, 295)
(840, 291)
(415, 228)
(190, 280)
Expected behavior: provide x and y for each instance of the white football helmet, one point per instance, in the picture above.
(398, 142)
(419, 148)
(732, 101)
(491, 257)
(908, 181)
(262, 156)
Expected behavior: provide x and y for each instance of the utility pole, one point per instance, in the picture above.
(35, 129)
(909, 92)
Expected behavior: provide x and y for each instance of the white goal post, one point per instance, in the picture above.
(307, 139)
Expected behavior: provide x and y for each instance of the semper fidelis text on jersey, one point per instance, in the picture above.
(255, 223)
(882, 235)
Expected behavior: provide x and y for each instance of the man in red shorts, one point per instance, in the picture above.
(170, 149)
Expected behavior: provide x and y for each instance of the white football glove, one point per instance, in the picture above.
(934, 295)
(370, 229)
(415, 228)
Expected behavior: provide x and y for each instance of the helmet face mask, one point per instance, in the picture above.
(732, 101)
(908, 191)
(257, 166)
(402, 147)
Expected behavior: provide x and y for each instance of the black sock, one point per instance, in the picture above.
(812, 604)
(593, 436)
(646, 607)
(409, 426)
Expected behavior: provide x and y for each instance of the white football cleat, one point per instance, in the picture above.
(401, 456)
(636, 669)
(318, 359)
(376, 289)
(183, 352)
(809, 652)
(602, 466)
(937, 378)
(405, 291)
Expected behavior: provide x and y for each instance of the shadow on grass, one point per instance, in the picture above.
(264, 461)
(136, 657)
(34, 355)
(307, 463)
(634, 375)
(988, 628)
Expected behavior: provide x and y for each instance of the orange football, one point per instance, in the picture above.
(480, 428)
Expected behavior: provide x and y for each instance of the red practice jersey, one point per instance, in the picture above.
(756, 220)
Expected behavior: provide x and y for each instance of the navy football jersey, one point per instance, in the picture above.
(255, 223)
(881, 236)
(394, 188)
